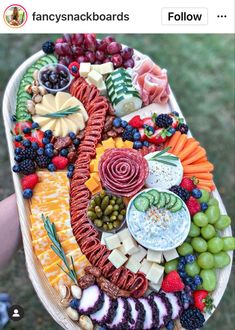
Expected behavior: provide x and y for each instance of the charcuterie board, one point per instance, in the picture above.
(121, 221)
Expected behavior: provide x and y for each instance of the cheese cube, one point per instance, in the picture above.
(133, 265)
(121, 249)
(128, 144)
(104, 235)
(92, 165)
(155, 272)
(140, 254)
(124, 234)
(96, 67)
(95, 77)
(170, 255)
(109, 143)
(156, 286)
(106, 68)
(99, 150)
(130, 246)
(102, 87)
(84, 69)
(145, 266)
(154, 256)
(92, 184)
(112, 242)
(117, 258)
(119, 143)
(96, 165)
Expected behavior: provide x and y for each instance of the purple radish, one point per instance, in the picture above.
(137, 314)
(121, 318)
(91, 301)
(106, 313)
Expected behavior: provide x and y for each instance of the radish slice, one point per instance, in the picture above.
(137, 314)
(164, 308)
(148, 320)
(120, 320)
(175, 304)
(91, 301)
(106, 313)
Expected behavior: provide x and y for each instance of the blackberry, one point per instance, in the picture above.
(192, 319)
(164, 121)
(27, 166)
(183, 128)
(28, 153)
(48, 47)
(43, 161)
(127, 135)
(181, 192)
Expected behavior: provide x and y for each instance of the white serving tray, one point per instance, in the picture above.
(48, 296)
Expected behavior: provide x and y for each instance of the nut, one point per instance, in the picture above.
(62, 142)
(76, 291)
(64, 291)
(37, 98)
(65, 302)
(72, 156)
(86, 281)
(108, 123)
(85, 323)
(35, 89)
(36, 74)
(28, 89)
(42, 90)
(72, 313)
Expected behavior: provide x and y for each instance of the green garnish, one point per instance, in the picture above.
(57, 248)
(62, 113)
(165, 159)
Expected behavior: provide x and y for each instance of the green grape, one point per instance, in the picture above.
(215, 245)
(185, 249)
(208, 231)
(205, 196)
(223, 222)
(228, 243)
(206, 260)
(212, 201)
(194, 230)
(200, 219)
(192, 269)
(221, 259)
(199, 244)
(209, 280)
(171, 265)
(213, 213)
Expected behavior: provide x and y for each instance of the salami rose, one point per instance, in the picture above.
(123, 171)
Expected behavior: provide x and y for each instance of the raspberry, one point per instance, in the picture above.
(136, 122)
(193, 205)
(172, 282)
(187, 184)
(29, 181)
(60, 162)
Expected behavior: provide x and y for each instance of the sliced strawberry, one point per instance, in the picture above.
(157, 137)
(175, 121)
(38, 135)
(148, 121)
(19, 126)
(136, 122)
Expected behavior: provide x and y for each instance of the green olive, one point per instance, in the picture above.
(108, 210)
(97, 209)
(116, 224)
(102, 194)
(91, 215)
(116, 207)
(110, 225)
(106, 218)
(114, 198)
(98, 223)
(115, 213)
(113, 218)
(92, 203)
(105, 202)
(120, 217)
(105, 226)
(112, 202)
(123, 212)
(97, 200)
(119, 201)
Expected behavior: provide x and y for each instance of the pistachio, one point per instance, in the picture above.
(65, 302)
(42, 90)
(37, 98)
(85, 323)
(35, 90)
(76, 291)
(35, 74)
(72, 313)
(28, 89)
(63, 291)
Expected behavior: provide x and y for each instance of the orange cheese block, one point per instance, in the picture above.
(92, 184)
(100, 150)
(55, 204)
(109, 143)
(119, 143)
(128, 144)
(45, 187)
(40, 198)
(56, 215)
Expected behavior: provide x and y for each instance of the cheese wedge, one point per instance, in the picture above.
(65, 129)
(48, 101)
(57, 129)
(72, 102)
(78, 119)
(41, 120)
(60, 99)
(49, 125)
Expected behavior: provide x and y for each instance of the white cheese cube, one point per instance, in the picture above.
(133, 265)
(117, 258)
(106, 68)
(170, 255)
(84, 69)
(112, 242)
(96, 67)
(155, 286)
(154, 256)
(95, 77)
(155, 272)
(140, 254)
(102, 88)
(104, 235)
(121, 249)
(130, 246)
(124, 234)
(145, 266)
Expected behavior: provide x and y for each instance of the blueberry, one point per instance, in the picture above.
(49, 146)
(175, 113)
(182, 260)
(16, 168)
(188, 280)
(129, 128)
(35, 125)
(76, 142)
(45, 140)
(72, 135)
(64, 152)
(74, 303)
(197, 280)
(48, 133)
(190, 258)
(136, 136)
(204, 206)
(137, 145)
(151, 129)
(70, 167)
(193, 286)
(146, 144)
(180, 266)
(69, 174)
(49, 152)
(123, 123)
(196, 193)
(18, 138)
(26, 143)
(18, 151)
(18, 158)
(40, 151)
(182, 274)
(117, 122)
(35, 145)
(26, 130)
(51, 167)
(170, 325)
(171, 130)
(27, 193)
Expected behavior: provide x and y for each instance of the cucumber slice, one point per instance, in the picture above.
(168, 197)
(156, 196)
(162, 201)
(177, 206)
(141, 203)
(51, 58)
(149, 196)
(172, 202)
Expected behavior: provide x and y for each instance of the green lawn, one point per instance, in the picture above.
(201, 74)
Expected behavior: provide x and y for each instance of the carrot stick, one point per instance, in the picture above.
(199, 153)
(187, 150)
(201, 160)
(180, 144)
(208, 183)
(200, 167)
(203, 176)
(173, 140)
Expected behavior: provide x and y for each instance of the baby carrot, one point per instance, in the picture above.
(180, 144)
(187, 150)
(173, 140)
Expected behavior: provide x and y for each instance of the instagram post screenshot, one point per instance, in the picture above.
(117, 157)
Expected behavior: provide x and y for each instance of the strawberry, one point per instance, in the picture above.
(136, 122)
(148, 121)
(203, 301)
(38, 135)
(193, 205)
(187, 184)
(142, 134)
(60, 162)
(172, 282)
(20, 125)
(29, 181)
(175, 121)
(157, 137)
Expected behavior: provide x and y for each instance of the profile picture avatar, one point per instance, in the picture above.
(15, 16)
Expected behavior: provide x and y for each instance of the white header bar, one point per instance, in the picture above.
(121, 16)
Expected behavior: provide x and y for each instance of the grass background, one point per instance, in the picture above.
(201, 74)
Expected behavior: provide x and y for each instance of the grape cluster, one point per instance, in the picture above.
(86, 48)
